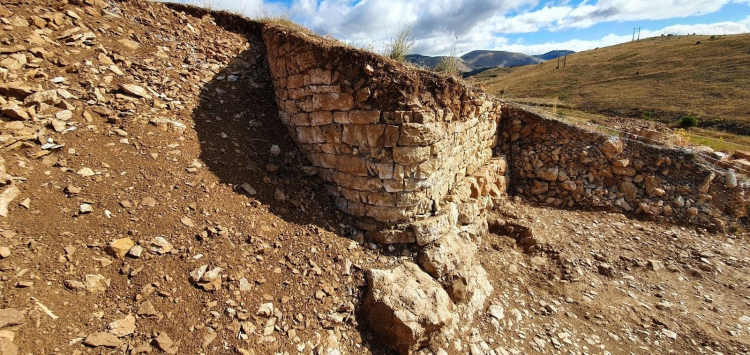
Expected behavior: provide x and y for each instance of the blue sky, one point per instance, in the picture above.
(526, 26)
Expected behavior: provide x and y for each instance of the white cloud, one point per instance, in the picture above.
(466, 25)
(726, 27)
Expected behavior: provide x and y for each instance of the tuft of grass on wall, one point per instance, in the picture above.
(402, 44)
(448, 65)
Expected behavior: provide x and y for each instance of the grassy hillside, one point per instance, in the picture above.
(704, 76)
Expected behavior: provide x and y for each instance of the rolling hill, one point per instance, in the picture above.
(553, 55)
(669, 77)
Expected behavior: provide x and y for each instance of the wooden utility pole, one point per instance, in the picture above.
(639, 33)
(565, 60)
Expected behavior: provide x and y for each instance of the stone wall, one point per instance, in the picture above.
(565, 165)
(390, 141)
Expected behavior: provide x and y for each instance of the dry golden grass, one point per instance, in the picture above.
(669, 76)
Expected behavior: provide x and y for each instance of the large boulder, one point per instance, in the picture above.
(445, 254)
(405, 306)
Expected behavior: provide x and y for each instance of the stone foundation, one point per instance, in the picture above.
(564, 165)
(390, 142)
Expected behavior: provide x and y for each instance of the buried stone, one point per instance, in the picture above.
(405, 306)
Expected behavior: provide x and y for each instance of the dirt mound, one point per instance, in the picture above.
(155, 202)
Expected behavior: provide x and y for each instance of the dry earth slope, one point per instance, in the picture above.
(140, 144)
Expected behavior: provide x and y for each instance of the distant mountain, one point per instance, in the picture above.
(431, 62)
(476, 61)
(553, 55)
(495, 59)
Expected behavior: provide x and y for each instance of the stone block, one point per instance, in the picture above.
(300, 119)
(384, 171)
(352, 164)
(410, 155)
(405, 306)
(391, 236)
(332, 101)
(332, 134)
(295, 81)
(318, 76)
(446, 254)
(353, 208)
(324, 89)
(354, 135)
(391, 136)
(381, 199)
(393, 185)
(328, 161)
(410, 199)
(415, 134)
(431, 229)
(364, 117)
(357, 182)
(387, 214)
(309, 135)
(298, 93)
(426, 116)
(321, 118)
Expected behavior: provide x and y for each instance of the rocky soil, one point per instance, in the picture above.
(152, 201)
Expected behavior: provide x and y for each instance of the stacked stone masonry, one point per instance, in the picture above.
(390, 142)
(565, 165)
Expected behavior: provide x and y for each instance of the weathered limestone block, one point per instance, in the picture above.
(295, 81)
(321, 118)
(431, 229)
(420, 134)
(410, 155)
(309, 135)
(612, 147)
(445, 254)
(332, 101)
(323, 160)
(364, 117)
(353, 208)
(357, 182)
(363, 135)
(352, 164)
(317, 77)
(331, 133)
(405, 306)
(410, 198)
(392, 236)
(388, 214)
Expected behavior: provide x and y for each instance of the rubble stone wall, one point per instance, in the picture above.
(565, 165)
(390, 141)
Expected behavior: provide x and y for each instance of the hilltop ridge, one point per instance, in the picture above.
(485, 59)
(666, 77)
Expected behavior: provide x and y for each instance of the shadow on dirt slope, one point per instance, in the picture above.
(246, 145)
(238, 127)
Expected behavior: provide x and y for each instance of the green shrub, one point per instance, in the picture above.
(689, 121)
(402, 44)
(648, 116)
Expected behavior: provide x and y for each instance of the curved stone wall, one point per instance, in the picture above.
(390, 141)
